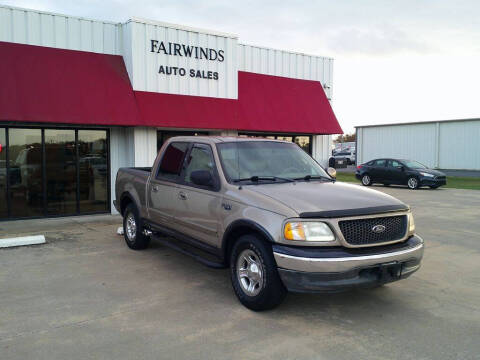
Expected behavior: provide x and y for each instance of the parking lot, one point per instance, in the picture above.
(85, 295)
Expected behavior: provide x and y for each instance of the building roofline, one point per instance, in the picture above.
(286, 51)
(417, 122)
(51, 13)
(140, 20)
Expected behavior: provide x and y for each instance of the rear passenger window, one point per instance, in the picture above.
(172, 161)
(380, 162)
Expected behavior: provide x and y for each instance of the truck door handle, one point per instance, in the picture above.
(155, 188)
(182, 195)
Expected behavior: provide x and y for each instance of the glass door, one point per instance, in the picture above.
(25, 172)
(60, 172)
(93, 170)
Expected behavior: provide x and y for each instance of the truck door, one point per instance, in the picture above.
(197, 207)
(161, 189)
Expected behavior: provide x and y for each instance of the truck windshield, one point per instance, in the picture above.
(267, 159)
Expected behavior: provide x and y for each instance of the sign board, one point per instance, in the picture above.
(172, 59)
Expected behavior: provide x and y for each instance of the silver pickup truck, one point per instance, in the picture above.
(269, 212)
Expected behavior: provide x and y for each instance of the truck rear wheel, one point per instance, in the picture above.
(254, 274)
(133, 229)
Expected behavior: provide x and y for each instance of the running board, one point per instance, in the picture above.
(189, 250)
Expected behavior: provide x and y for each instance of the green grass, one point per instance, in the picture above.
(454, 182)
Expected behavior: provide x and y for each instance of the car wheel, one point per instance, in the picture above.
(254, 274)
(133, 229)
(366, 180)
(412, 183)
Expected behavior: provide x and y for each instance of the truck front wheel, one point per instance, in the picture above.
(133, 229)
(254, 274)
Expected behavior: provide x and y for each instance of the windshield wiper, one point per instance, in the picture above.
(314, 177)
(267, 178)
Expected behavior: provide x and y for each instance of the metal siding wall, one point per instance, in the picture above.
(288, 64)
(321, 149)
(416, 141)
(145, 64)
(58, 31)
(459, 145)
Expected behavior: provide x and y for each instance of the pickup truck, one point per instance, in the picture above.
(271, 214)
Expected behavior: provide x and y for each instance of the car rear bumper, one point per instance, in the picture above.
(331, 270)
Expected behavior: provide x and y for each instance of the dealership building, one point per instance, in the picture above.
(80, 98)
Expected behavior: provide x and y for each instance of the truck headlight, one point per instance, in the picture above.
(308, 231)
(426, 174)
(411, 224)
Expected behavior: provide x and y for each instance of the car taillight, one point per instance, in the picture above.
(359, 167)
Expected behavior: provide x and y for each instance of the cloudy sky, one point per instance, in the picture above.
(395, 61)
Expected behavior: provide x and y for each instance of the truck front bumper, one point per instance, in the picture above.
(336, 269)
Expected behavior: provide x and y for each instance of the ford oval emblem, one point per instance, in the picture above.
(378, 229)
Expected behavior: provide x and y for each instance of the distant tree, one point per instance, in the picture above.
(346, 138)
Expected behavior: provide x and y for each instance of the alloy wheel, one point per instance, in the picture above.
(412, 183)
(250, 272)
(131, 227)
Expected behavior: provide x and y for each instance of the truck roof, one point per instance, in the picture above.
(220, 139)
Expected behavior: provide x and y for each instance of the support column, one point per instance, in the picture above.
(130, 147)
(321, 148)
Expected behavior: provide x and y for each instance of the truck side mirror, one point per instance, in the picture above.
(201, 177)
(332, 172)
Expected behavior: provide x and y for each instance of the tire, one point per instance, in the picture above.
(133, 229)
(366, 180)
(255, 257)
(412, 183)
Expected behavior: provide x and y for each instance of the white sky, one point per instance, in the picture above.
(395, 61)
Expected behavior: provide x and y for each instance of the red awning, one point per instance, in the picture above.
(41, 84)
(274, 103)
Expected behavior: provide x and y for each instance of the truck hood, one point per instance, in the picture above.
(328, 199)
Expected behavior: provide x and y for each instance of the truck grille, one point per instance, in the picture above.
(360, 231)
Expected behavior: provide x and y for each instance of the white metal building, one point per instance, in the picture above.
(449, 144)
(81, 98)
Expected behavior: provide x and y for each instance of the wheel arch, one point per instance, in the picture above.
(125, 199)
(239, 228)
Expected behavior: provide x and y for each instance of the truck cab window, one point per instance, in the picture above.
(201, 158)
(171, 163)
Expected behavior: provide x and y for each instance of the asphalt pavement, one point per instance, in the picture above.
(85, 295)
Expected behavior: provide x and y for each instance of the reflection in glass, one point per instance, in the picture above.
(61, 172)
(92, 152)
(25, 157)
(3, 174)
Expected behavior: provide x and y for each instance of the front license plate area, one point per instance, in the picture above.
(389, 272)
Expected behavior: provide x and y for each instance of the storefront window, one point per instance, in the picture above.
(163, 136)
(3, 174)
(50, 172)
(304, 141)
(25, 154)
(61, 172)
(93, 170)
